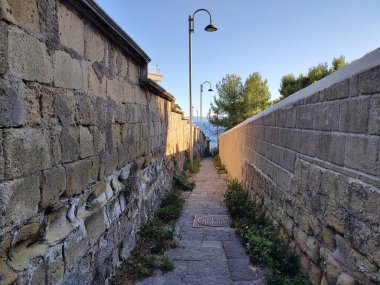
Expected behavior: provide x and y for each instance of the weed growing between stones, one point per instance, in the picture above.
(153, 239)
(183, 182)
(262, 240)
(218, 165)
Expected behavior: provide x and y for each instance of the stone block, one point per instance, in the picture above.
(354, 116)
(28, 57)
(99, 139)
(134, 72)
(8, 276)
(23, 13)
(68, 71)
(86, 110)
(28, 232)
(293, 139)
(78, 176)
(353, 86)
(20, 198)
(337, 91)
(71, 29)
(116, 135)
(110, 162)
(2, 166)
(288, 159)
(331, 147)
(305, 115)
(374, 116)
(3, 48)
(369, 81)
(361, 153)
(345, 279)
(86, 142)
(308, 145)
(121, 115)
(96, 225)
(20, 149)
(56, 266)
(74, 248)
(55, 145)
(114, 89)
(96, 84)
(94, 45)
(282, 178)
(326, 116)
(53, 185)
(69, 140)
(64, 105)
(58, 226)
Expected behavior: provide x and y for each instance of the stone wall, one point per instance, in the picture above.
(87, 146)
(313, 161)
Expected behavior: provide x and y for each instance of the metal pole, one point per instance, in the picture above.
(201, 107)
(190, 99)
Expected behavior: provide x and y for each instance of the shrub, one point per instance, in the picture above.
(262, 241)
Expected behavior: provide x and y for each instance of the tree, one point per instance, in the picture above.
(289, 84)
(237, 102)
(228, 110)
(256, 94)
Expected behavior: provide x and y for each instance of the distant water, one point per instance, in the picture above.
(209, 130)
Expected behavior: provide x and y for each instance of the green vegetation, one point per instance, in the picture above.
(290, 84)
(263, 242)
(196, 164)
(182, 182)
(153, 239)
(218, 165)
(237, 102)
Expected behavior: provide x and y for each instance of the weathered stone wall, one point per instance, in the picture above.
(86, 150)
(314, 163)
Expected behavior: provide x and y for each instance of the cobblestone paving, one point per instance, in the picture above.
(208, 255)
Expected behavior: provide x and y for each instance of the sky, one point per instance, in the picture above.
(272, 37)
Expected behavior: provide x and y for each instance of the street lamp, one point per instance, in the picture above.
(210, 90)
(209, 28)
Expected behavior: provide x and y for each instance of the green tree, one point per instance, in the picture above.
(256, 94)
(228, 109)
(289, 84)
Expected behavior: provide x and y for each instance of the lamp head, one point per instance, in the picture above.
(210, 90)
(211, 28)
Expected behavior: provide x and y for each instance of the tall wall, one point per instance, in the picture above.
(313, 160)
(88, 146)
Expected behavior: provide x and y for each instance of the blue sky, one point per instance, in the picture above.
(272, 37)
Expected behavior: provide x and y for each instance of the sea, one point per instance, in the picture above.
(209, 130)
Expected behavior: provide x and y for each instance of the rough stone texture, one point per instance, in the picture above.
(28, 57)
(23, 13)
(77, 176)
(53, 184)
(86, 152)
(326, 203)
(3, 48)
(20, 200)
(71, 29)
(20, 149)
(94, 45)
(68, 72)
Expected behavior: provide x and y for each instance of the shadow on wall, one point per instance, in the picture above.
(314, 164)
(87, 147)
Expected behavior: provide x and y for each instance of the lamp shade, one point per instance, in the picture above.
(211, 28)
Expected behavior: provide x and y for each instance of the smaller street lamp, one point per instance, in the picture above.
(210, 90)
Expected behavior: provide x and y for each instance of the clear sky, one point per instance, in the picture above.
(272, 37)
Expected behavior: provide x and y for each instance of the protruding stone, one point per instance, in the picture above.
(6, 273)
(3, 48)
(345, 279)
(94, 45)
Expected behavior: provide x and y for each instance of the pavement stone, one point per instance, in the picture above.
(207, 255)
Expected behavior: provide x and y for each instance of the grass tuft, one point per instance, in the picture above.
(263, 243)
(220, 168)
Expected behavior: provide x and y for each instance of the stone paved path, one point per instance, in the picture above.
(208, 255)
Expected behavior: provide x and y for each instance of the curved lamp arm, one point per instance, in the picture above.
(208, 83)
(191, 18)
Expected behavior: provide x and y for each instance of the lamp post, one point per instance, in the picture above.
(210, 90)
(209, 28)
